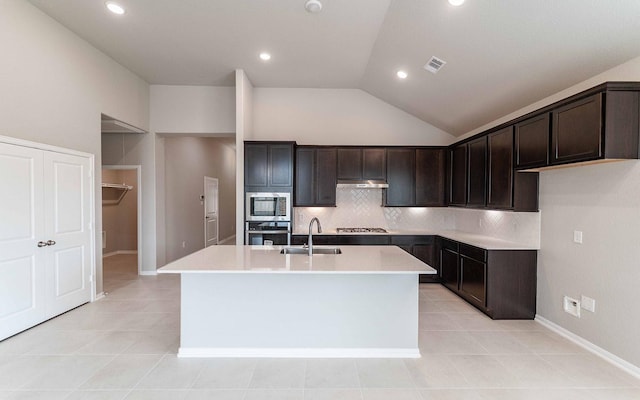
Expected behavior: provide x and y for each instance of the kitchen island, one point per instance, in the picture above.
(253, 301)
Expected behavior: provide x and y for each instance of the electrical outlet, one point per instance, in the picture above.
(571, 306)
(184, 245)
(577, 237)
(587, 303)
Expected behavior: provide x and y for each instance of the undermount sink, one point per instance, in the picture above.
(316, 250)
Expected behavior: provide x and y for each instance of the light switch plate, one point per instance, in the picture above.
(587, 303)
(577, 237)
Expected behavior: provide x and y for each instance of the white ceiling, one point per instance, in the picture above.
(501, 54)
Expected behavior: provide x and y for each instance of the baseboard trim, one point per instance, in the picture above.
(250, 352)
(149, 273)
(99, 296)
(115, 253)
(587, 345)
(229, 239)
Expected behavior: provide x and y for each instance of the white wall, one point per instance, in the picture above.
(54, 86)
(193, 110)
(337, 116)
(244, 131)
(602, 202)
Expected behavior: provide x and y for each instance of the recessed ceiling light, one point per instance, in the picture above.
(402, 74)
(313, 6)
(456, 2)
(265, 56)
(115, 7)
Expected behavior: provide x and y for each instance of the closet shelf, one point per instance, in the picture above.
(112, 193)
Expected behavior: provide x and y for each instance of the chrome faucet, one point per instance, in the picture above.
(310, 241)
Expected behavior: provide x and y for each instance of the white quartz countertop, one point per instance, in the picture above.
(267, 259)
(481, 241)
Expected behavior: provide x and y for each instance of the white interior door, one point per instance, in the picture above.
(22, 303)
(210, 211)
(67, 180)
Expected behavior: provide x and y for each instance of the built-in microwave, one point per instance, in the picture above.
(262, 206)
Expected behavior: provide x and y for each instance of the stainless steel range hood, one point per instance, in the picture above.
(368, 184)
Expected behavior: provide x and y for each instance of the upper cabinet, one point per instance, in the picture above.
(430, 177)
(532, 142)
(416, 177)
(477, 172)
(315, 178)
(458, 175)
(268, 165)
(500, 169)
(600, 123)
(355, 164)
(401, 177)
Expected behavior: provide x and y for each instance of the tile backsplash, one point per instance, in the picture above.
(362, 208)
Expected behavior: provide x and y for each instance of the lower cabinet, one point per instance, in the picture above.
(421, 247)
(501, 283)
(346, 240)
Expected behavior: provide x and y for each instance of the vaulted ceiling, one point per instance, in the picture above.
(500, 55)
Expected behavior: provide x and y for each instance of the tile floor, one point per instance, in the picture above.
(124, 347)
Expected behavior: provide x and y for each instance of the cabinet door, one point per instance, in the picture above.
(325, 177)
(449, 268)
(256, 162)
(401, 169)
(577, 131)
(304, 193)
(373, 164)
(350, 163)
(500, 164)
(532, 142)
(280, 165)
(458, 175)
(430, 176)
(473, 278)
(477, 173)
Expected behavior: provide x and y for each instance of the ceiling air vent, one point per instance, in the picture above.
(434, 64)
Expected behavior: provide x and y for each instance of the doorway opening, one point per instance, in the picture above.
(121, 220)
(210, 200)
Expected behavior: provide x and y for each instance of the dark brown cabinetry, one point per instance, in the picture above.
(345, 240)
(423, 248)
(500, 169)
(501, 283)
(449, 264)
(430, 177)
(268, 165)
(599, 123)
(315, 178)
(477, 173)
(458, 175)
(532, 142)
(416, 177)
(401, 177)
(355, 163)
(576, 131)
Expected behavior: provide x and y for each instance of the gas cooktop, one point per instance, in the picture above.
(361, 230)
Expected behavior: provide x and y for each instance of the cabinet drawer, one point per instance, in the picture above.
(449, 244)
(473, 252)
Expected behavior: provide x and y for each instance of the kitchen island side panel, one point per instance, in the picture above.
(324, 315)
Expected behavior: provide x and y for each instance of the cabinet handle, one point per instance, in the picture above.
(42, 244)
(51, 242)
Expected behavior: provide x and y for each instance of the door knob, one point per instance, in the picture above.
(51, 242)
(42, 244)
